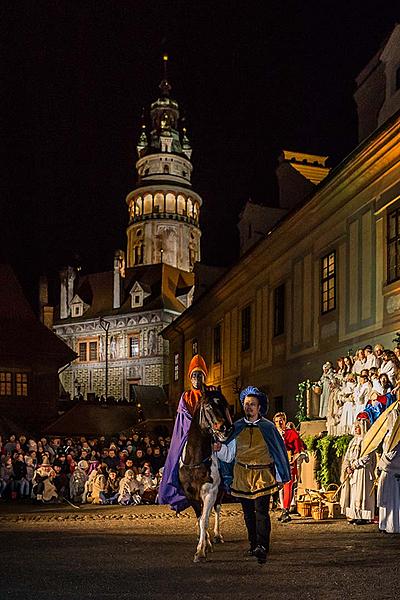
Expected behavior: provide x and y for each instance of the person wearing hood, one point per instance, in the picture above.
(170, 491)
(261, 466)
(130, 490)
(357, 499)
(77, 481)
(43, 486)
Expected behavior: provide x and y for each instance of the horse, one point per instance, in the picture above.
(198, 470)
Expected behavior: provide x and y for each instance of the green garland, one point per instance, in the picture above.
(329, 451)
(301, 399)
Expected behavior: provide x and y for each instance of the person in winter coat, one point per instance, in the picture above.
(43, 486)
(77, 481)
(111, 492)
(130, 490)
(99, 483)
(20, 480)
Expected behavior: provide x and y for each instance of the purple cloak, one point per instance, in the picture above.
(170, 491)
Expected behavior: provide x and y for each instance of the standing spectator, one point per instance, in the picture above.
(370, 358)
(389, 365)
(360, 362)
(378, 350)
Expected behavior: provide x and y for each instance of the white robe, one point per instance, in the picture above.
(356, 499)
(388, 498)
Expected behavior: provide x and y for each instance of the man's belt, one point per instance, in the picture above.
(251, 466)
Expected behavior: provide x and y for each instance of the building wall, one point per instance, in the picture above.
(348, 215)
(149, 367)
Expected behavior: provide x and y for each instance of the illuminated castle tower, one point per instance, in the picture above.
(163, 209)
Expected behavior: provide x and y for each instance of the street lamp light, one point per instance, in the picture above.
(106, 326)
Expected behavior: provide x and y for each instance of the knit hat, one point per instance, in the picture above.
(83, 464)
(262, 398)
(130, 473)
(198, 364)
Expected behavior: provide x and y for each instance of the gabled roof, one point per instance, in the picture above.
(23, 338)
(162, 283)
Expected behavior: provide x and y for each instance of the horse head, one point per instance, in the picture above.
(213, 414)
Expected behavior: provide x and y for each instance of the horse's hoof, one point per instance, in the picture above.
(199, 559)
(218, 539)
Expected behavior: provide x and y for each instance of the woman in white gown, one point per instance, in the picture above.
(346, 396)
(356, 500)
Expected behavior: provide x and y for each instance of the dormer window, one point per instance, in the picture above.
(78, 307)
(138, 294)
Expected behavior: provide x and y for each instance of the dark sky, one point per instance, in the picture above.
(251, 77)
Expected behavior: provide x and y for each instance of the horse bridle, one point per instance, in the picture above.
(203, 418)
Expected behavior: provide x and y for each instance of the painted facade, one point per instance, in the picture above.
(150, 285)
(324, 280)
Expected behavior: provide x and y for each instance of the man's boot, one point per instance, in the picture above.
(286, 517)
(281, 515)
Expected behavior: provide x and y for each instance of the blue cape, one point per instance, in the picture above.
(276, 447)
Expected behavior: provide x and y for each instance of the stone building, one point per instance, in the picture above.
(321, 280)
(150, 284)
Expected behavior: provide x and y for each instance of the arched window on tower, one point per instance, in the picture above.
(138, 254)
(181, 205)
(166, 169)
(170, 203)
(148, 204)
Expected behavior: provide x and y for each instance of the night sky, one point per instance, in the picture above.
(251, 78)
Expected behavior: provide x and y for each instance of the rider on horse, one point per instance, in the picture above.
(170, 489)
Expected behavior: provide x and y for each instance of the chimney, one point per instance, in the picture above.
(67, 277)
(119, 274)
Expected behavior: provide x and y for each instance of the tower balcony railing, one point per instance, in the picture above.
(164, 215)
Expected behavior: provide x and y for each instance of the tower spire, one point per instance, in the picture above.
(164, 86)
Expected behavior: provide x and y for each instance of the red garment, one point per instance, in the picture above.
(294, 445)
(191, 398)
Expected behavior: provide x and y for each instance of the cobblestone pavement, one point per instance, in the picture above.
(145, 552)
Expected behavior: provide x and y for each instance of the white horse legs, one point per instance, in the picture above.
(218, 539)
(204, 538)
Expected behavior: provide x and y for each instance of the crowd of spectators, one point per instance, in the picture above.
(367, 381)
(123, 470)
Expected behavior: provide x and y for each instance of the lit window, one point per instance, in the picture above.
(5, 384)
(21, 384)
(246, 328)
(176, 367)
(93, 351)
(393, 246)
(82, 352)
(328, 282)
(134, 346)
